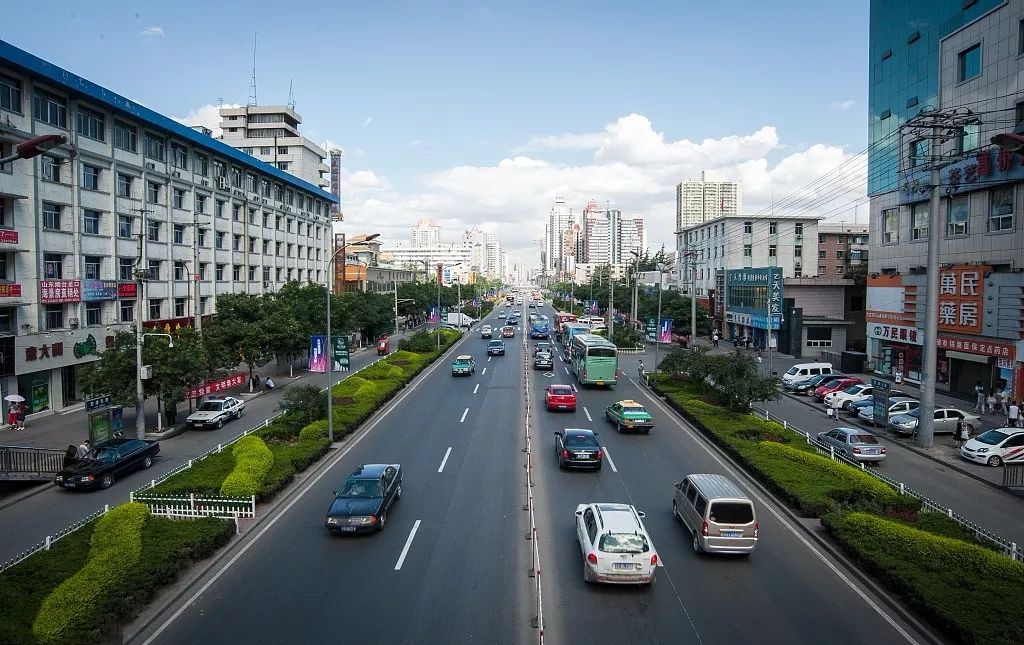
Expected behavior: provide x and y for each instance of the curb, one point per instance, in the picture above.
(43, 486)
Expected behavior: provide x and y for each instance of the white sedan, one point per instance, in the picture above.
(843, 398)
(214, 412)
(615, 544)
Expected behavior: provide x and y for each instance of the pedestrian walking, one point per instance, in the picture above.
(979, 395)
(990, 402)
(714, 339)
(1013, 415)
(961, 434)
(22, 409)
(640, 371)
(12, 415)
(1002, 399)
(256, 381)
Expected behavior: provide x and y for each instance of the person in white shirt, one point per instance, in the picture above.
(1013, 415)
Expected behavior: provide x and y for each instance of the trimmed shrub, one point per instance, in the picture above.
(366, 390)
(395, 372)
(253, 460)
(315, 430)
(73, 606)
(290, 458)
(970, 593)
(204, 477)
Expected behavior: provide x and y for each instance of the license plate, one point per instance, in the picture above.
(600, 382)
(583, 455)
(624, 566)
(69, 484)
(732, 534)
(348, 529)
(561, 407)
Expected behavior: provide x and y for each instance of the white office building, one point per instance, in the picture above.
(602, 232)
(560, 219)
(72, 226)
(632, 237)
(271, 134)
(426, 233)
(699, 200)
(413, 257)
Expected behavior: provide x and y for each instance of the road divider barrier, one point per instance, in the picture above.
(535, 568)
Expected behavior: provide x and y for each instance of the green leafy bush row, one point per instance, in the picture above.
(971, 593)
(253, 459)
(203, 478)
(116, 547)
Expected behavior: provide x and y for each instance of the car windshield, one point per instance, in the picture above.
(854, 389)
(623, 543)
(635, 409)
(793, 370)
(992, 437)
(462, 361)
(211, 406)
(105, 454)
(543, 356)
(731, 512)
(360, 488)
(916, 412)
(863, 438)
(580, 441)
(496, 343)
(561, 389)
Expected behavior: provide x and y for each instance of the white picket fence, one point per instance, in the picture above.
(192, 506)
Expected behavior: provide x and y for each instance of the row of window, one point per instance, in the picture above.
(748, 229)
(999, 217)
(53, 269)
(55, 315)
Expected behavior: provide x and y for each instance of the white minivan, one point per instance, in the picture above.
(801, 371)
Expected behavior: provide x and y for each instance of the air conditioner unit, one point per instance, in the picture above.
(176, 174)
(204, 182)
(150, 165)
(73, 323)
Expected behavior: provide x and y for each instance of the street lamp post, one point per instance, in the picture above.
(34, 147)
(657, 332)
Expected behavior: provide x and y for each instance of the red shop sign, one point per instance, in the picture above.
(983, 347)
(127, 290)
(8, 236)
(10, 290)
(217, 385)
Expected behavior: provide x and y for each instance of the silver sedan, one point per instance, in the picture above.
(854, 443)
(946, 420)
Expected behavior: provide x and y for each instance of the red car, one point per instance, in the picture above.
(834, 386)
(559, 397)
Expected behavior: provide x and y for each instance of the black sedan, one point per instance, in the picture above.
(543, 361)
(361, 505)
(496, 348)
(578, 448)
(808, 385)
(106, 462)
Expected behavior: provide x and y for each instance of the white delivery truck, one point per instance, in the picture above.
(460, 320)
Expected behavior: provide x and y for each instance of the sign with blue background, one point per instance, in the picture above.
(754, 297)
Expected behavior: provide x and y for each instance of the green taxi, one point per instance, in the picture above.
(629, 415)
(463, 365)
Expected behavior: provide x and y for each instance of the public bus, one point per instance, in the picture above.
(568, 331)
(561, 318)
(539, 327)
(595, 360)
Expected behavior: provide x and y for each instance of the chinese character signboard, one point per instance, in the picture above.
(896, 333)
(960, 298)
(880, 405)
(754, 297)
(888, 300)
(97, 402)
(10, 290)
(775, 296)
(8, 236)
(218, 385)
(340, 353)
(983, 169)
(97, 290)
(317, 353)
(651, 330)
(57, 291)
(1006, 351)
(127, 290)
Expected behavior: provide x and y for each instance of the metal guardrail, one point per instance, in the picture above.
(639, 349)
(535, 568)
(24, 463)
(1013, 475)
(1008, 548)
(190, 506)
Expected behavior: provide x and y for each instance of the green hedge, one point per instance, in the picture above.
(253, 459)
(290, 458)
(971, 593)
(204, 477)
(72, 607)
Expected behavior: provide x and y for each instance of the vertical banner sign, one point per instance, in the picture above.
(593, 306)
(651, 330)
(444, 313)
(99, 427)
(317, 353)
(340, 354)
(433, 315)
(775, 298)
(665, 331)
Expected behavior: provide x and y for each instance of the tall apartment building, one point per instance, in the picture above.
(140, 191)
(602, 233)
(841, 247)
(699, 200)
(632, 237)
(495, 267)
(426, 233)
(947, 54)
(271, 134)
(560, 219)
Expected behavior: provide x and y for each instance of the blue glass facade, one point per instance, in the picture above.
(903, 72)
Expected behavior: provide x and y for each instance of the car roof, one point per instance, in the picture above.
(618, 518)
(629, 403)
(900, 399)
(463, 357)
(713, 485)
(371, 471)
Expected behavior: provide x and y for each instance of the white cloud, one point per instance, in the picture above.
(842, 105)
(152, 32)
(206, 115)
(632, 164)
(367, 121)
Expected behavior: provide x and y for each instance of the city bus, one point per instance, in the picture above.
(595, 360)
(539, 327)
(568, 331)
(561, 318)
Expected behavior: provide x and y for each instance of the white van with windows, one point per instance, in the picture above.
(800, 371)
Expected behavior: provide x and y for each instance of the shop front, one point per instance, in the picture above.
(753, 305)
(895, 351)
(974, 360)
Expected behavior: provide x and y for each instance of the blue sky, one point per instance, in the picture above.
(425, 95)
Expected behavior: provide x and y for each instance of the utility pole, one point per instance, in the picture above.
(935, 127)
(140, 286)
(611, 304)
(198, 322)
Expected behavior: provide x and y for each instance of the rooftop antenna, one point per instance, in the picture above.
(252, 87)
(291, 95)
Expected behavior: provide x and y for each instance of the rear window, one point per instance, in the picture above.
(580, 441)
(731, 513)
(601, 352)
(561, 390)
(623, 543)
(863, 438)
(635, 410)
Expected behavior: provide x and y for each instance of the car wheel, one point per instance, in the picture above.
(647, 431)
(561, 464)
(598, 467)
(970, 429)
(995, 461)
(220, 423)
(696, 543)
(586, 573)
(106, 481)
(618, 427)
(380, 523)
(675, 511)
(147, 462)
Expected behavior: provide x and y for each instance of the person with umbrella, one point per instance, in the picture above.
(12, 411)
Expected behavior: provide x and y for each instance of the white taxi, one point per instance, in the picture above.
(615, 544)
(996, 447)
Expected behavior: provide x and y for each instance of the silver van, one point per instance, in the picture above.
(803, 371)
(717, 513)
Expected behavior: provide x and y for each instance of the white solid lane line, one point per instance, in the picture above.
(464, 413)
(589, 418)
(408, 543)
(476, 388)
(573, 386)
(608, 456)
(483, 372)
(566, 370)
(488, 359)
(445, 460)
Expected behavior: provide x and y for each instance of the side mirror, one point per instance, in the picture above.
(641, 514)
(334, 492)
(579, 513)
(678, 484)
(558, 434)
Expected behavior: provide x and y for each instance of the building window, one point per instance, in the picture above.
(970, 137)
(202, 236)
(202, 165)
(125, 268)
(218, 208)
(155, 147)
(219, 239)
(1000, 215)
(92, 267)
(93, 313)
(822, 255)
(127, 311)
(819, 337)
(283, 165)
(798, 228)
(919, 221)
(153, 192)
(200, 203)
(748, 228)
(55, 316)
(90, 177)
(179, 156)
(218, 272)
(236, 272)
(797, 271)
(252, 217)
(178, 234)
(252, 274)
(236, 212)
(252, 245)
(236, 177)
(179, 307)
(266, 274)
(266, 150)
(958, 216)
(250, 182)
(840, 255)
(773, 250)
(840, 270)
(266, 247)
(179, 270)
(154, 269)
(153, 231)
(89, 123)
(918, 153)
(156, 306)
(748, 250)
(969, 63)
(50, 108)
(798, 251)
(124, 226)
(126, 137)
(53, 266)
(51, 216)
(10, 94)
(822, 269)
(51, 168)
(266, 219)
(773, 228)
(90, 221)
(891, 226)
(178, 198)
(202, 270)
(124, 185)
(236, 242)
(289, 225)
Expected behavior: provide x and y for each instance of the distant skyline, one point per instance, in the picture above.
(478, 114)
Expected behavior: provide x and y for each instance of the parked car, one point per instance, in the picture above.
(869, 402)
(101, 467)
(843, 398)
(896, 406)
(995, 447)
(485, 331)
(559, 397)
(463, 365)
(718, 514)
(809, 384)
(854, 443)
(362, 503)
(615, 544)
(214, 412)
(543, 361)
(508, 331)
(802, 371)
(496, 347)
(542, 346)
(578, 448)
(629, 415)
(834, 386)
(945, 421)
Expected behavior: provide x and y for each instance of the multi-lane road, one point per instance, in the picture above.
(452, 564)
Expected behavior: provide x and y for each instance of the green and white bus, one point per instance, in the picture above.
(595, 360)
